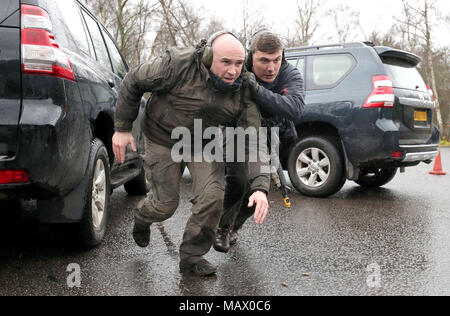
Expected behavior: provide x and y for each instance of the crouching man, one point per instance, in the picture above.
(277, 88)
(187, 84)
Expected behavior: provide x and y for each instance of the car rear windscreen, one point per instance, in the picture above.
(404, 75)
(8, 7)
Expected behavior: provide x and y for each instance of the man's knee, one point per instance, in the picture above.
(215, 192)
(157, 211)
(210, 200)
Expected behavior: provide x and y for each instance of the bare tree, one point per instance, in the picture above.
(419, 18)
(128, 21)
(214, 25)
(178, 25)
(345, 21)
(104, 11)
(252, 21)
(387, 39)
(407, 27)
(307, 22)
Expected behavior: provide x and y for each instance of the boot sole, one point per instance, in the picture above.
(189, 271)
(221, 249)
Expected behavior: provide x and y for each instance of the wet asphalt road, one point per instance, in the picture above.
(389, 241)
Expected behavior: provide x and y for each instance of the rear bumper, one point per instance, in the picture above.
(420, 153)
(375, 144)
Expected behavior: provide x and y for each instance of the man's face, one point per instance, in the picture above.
(266, 66)
(228, 62)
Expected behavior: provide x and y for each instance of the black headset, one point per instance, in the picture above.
(249, 61)
(207, 58)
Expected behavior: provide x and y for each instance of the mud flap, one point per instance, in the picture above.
(66, 209)
(352, 171)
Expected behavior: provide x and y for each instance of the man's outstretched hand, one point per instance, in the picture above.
(259, 199)
(120, 141)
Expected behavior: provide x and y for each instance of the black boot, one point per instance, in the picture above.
(222, 242)
(141, 231)
(200, 267)
(233, 237)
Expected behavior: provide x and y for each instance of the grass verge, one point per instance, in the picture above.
(444, 143)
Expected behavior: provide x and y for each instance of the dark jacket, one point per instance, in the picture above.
(283, 100)
(182, 91)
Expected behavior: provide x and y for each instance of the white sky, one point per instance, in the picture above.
(280, 14)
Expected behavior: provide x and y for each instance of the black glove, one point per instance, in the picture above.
(250, 80)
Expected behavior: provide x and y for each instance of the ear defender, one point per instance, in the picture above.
(208, 56)
(249, 59)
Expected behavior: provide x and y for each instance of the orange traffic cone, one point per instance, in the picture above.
(438, 167)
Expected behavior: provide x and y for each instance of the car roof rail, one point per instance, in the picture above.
(329, 46)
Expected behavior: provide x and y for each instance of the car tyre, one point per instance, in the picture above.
(95, 213)
(316, 167)
(376, 177)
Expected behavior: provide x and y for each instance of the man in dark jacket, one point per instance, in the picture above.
(278, 91)
(187, 84)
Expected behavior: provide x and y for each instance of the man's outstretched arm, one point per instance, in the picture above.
(148, 77)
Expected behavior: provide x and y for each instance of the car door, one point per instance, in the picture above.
(10, 87)
(98, 88)
(120, 69)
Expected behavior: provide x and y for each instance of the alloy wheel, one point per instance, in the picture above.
(313, 167)
(98, 194)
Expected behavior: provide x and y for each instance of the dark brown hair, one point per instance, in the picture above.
(267, 43)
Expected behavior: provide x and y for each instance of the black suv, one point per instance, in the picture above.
(60, 72)
(368, 113)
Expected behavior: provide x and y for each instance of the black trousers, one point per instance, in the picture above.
(237, 192)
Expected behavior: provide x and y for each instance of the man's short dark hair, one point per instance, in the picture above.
(267, 43)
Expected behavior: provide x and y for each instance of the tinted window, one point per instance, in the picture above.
(299, 63)
(293, 62)
(301, 66)
(7, 8)
(403, 75)
(97, 39)
(71, 15)
(328, 70)
(119, 66)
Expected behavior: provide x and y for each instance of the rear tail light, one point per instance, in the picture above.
(36, 18)
(382, 95)
(41, 54)
(430, 92)
(13, 176)
(397, 154)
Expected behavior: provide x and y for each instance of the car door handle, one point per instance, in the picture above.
(111, 83)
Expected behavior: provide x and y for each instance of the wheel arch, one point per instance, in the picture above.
(103, 129)
(323, 129)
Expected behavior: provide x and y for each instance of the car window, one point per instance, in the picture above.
(118, 64)
(299, 64)
(403, 75)
(72, 17)
(97, 39)
(328, 70)
(7, 8)
(293, 62)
